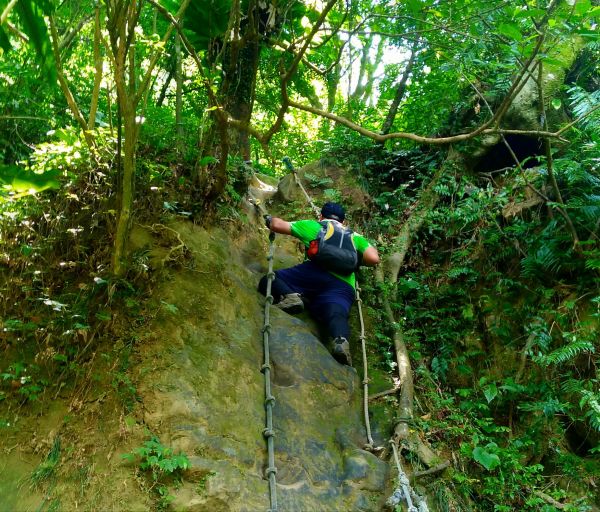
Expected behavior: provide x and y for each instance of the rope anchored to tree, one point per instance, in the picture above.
(268, 431)
(404, 491)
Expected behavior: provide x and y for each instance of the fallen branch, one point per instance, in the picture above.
(431, 471)
(392, 391)
(550, 500)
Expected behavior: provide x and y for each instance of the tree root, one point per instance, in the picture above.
(176, 252)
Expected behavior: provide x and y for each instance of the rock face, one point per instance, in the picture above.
(203, 393)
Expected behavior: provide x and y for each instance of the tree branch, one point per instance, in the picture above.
(65, 87)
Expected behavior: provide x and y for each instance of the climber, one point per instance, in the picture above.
(328, 294)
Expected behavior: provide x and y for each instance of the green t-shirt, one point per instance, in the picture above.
(307, 230)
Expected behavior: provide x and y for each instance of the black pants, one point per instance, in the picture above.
(333, 317)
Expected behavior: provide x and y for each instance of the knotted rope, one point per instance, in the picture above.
(290, 166)
(268, 431)
(404, 491)
(370, 444)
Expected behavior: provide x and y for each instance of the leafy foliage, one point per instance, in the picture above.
(30, 15)
(162, 464)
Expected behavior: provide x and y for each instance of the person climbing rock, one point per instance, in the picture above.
(326, 281)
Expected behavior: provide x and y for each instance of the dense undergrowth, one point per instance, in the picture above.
(500, 309)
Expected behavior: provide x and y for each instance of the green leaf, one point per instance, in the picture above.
(26, 249)
(490, 392)
(530, 13)
(486, 458)
(31, 15)
(203, 20)
(467, 312)
(206, 160)
(556, 103)
(24, 182)
(171, 308)
(414, 6)
(511, 31)
(590, 34)
(582, 7)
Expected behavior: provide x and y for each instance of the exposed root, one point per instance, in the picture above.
(176, 252)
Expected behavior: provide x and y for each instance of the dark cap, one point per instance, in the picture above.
(333, 211)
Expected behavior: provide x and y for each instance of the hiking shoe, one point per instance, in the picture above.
(291, 303)
(341, 351)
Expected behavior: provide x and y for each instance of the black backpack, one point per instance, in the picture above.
(333, 249)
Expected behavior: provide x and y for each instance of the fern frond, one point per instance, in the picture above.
(568, 352)
(591, 401)
(572, 386)
(582, 102)
(543, 261)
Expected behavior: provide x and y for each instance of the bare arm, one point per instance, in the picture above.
(281, 226)
(370, 257)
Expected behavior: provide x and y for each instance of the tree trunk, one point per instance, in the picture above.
(127, 186)
(122, 18)
(238, 90)
(178, 93)
(98, 64)
(163, 91)
(426, 202)
(400, 90)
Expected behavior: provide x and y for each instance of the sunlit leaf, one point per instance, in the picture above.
(582, 7)
(22, 181)
(511, 31)
(530, 13)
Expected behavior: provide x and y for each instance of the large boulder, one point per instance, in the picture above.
(203, 392)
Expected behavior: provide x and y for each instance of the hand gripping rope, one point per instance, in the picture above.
(268, 431)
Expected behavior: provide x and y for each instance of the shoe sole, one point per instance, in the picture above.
(292, 310)
(342, 358)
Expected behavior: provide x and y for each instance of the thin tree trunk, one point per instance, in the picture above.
(550, 160)
(400, 91)
(126, 191)
(121, 22)
(178, 92)
(163, 91)
(98, 64)
(66, 90)
(332, 82)
(426, 202)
